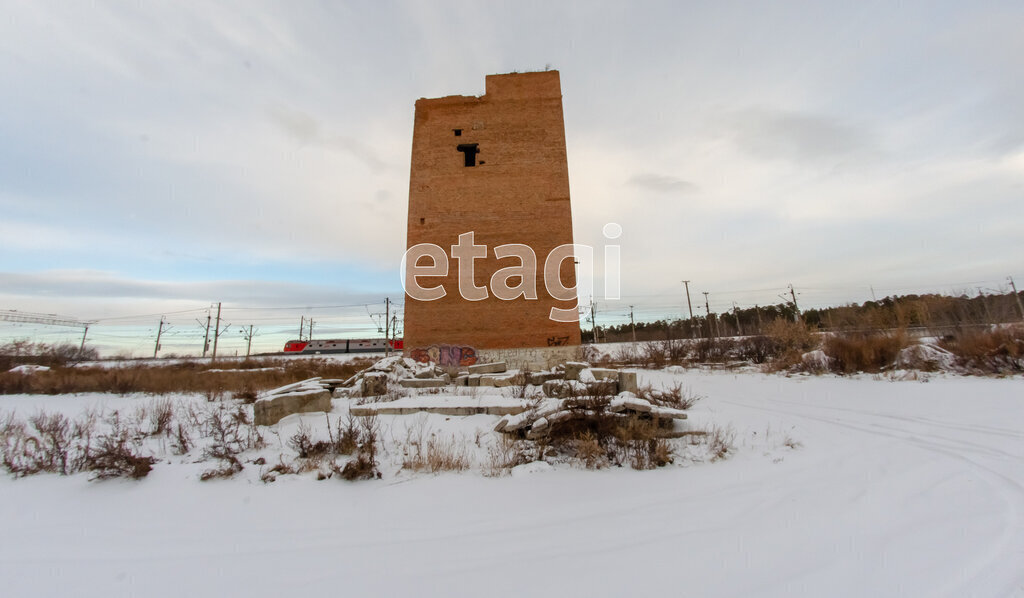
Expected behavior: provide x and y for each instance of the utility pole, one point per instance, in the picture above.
(86, 331)
(248, 340)
(387, 327)
(686, 283)
(758, 309)
(216, 334)
(302, 327)
(159, 331)
(310, 336)
(736, 314)
(206, 338)
(1015, 296)
(707, 306)
(593, 320)
(796, 308)
(632, 324)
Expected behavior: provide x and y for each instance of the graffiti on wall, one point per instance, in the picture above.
(445, 355)
(558, 341)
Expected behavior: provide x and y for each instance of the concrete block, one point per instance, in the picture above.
(473, 380)
(422, 382)
(269, 410)
(501, 380)
(556, 389)
(604, 373)
(573, 369)
(462, 380)
(627, 382)
(539, 378)
(374, 384)
(488, 368)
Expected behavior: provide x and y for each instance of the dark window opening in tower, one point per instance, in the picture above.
(469, 151)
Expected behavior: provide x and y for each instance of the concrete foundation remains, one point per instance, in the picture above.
(302, 397)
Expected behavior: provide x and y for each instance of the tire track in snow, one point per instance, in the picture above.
(1010, 545)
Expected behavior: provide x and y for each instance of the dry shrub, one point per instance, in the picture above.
(758, 349)
(675, 396)
(232, 432)
(437, 454)
(592, 431)
(24, 351)
(788, 340)
(863, 351)
(343, 440)
(364, 465)
(117, 453)
(714, 350)
(247, 395)
(161, 416)
(626, 354)
(588, 451)
(281, 468)
(719, 441)
(994, 351)
(506, 453)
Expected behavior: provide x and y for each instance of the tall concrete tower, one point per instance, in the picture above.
(494, 166)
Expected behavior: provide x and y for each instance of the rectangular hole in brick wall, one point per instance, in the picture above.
(458, 132)
(469, 151)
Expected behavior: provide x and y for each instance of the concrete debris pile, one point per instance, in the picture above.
(307, 396)
(374, 380)
(568, 379)
(550, 414)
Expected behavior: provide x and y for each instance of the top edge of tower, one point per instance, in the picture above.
(512, 86)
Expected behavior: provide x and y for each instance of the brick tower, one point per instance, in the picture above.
(496, 166)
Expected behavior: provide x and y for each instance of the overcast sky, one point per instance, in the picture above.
(163, 155)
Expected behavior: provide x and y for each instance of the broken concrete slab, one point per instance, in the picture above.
(496, 367)
(374, 384)
(444, 405)
(539, 378)
(270, 409)
(422, 382)
(573, 369)
(556, 389)
(604, 373)
(511, 378)
(627, 382)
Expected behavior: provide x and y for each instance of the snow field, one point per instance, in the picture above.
(837, 487)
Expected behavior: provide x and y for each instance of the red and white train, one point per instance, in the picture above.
(342, 345)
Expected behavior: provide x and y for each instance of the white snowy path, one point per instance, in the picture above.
(899, 489)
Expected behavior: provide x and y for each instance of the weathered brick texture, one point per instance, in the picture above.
(518, 192)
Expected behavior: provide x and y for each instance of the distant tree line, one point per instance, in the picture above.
(899, 311)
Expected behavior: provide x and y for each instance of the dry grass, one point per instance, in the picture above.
(507, 452)
(437, 454)
(675, 396)
(863, 352)
(993, 351)
(214, 380)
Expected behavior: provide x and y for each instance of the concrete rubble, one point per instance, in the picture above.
(540, 420)
(302, 397)
(571, 379)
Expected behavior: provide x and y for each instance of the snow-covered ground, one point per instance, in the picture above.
(857, 486)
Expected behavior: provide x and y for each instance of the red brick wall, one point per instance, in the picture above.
(517, 193)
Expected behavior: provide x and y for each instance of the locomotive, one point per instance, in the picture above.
(342, 345)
